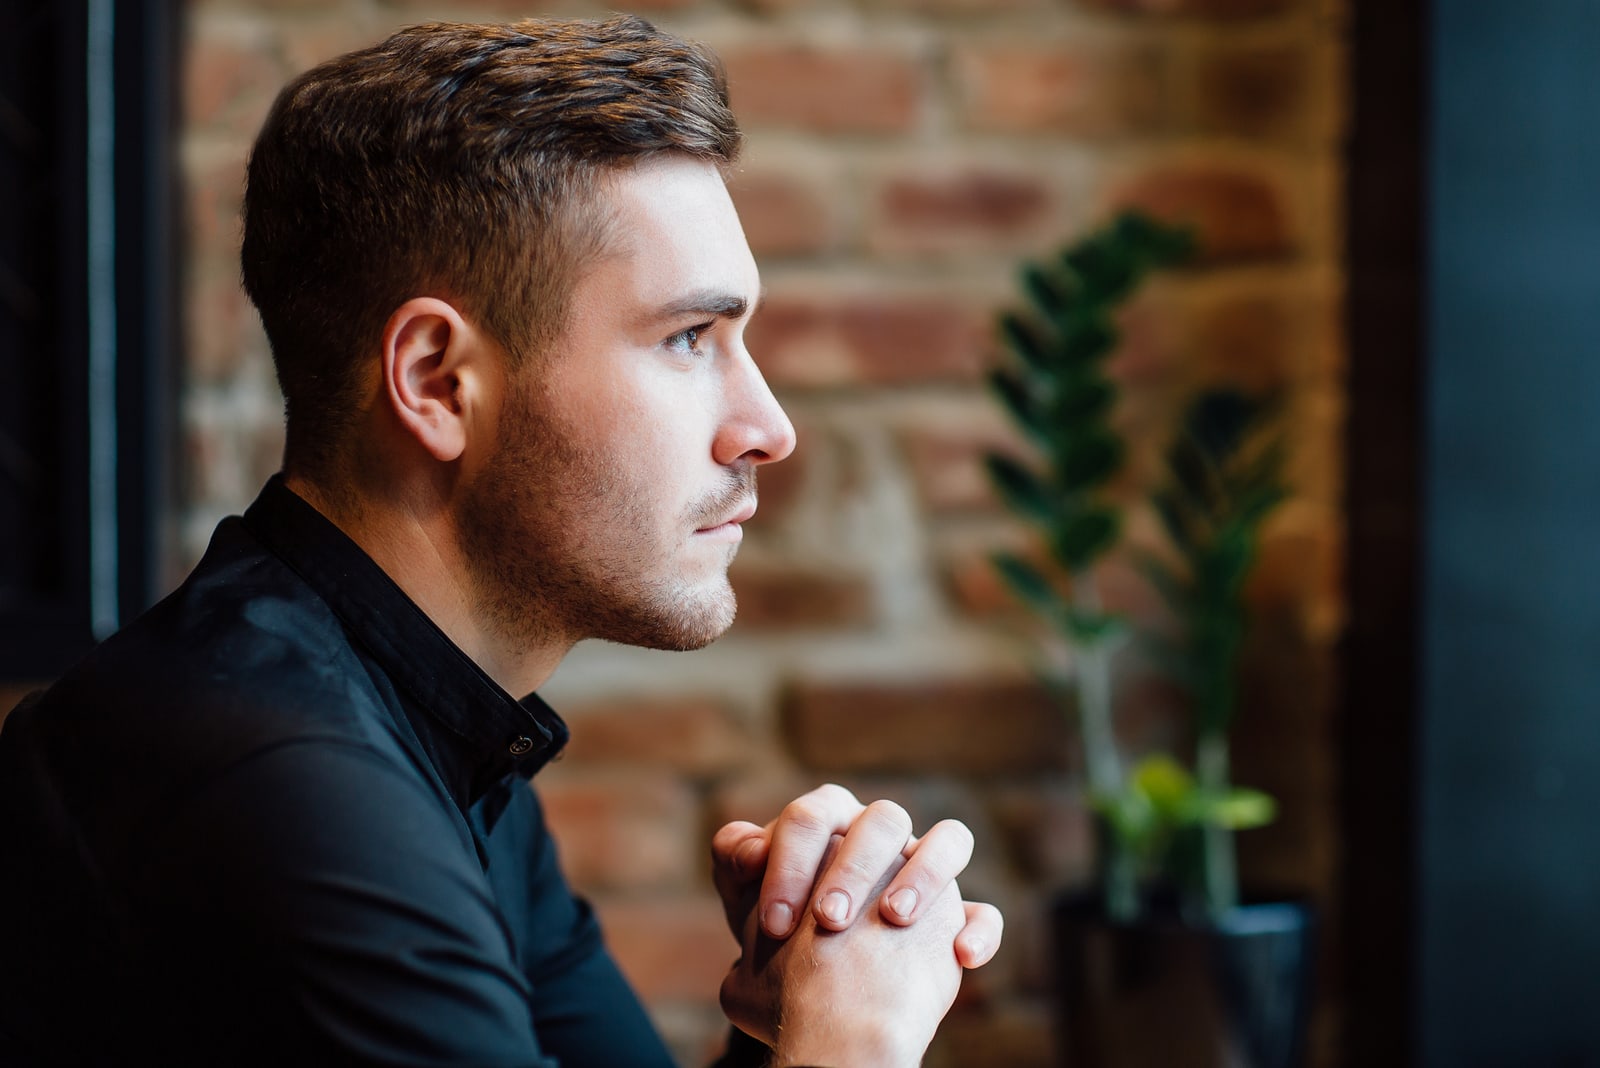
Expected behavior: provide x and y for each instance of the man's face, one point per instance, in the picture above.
(627, 450)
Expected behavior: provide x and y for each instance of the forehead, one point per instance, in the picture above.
(671, 229)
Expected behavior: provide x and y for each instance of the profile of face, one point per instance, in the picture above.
(627, 453)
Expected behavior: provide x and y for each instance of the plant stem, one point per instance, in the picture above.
(1220, 867)
(1100, 752)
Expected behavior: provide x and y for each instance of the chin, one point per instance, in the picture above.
(681, 621)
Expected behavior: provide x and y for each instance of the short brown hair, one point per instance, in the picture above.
(456, 161)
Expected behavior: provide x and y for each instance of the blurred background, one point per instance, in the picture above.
(1395, 213)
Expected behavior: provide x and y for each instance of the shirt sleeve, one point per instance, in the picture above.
(314, 905)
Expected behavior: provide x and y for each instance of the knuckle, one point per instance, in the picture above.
(805, 817)
(857, 868)
(831, 797)
(891, 816)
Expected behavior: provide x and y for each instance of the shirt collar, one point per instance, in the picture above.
(476, 728)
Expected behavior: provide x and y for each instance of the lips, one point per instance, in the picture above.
(741, 515)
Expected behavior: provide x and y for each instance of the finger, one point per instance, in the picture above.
(738, 855)
(938, 857)
(799, 840)
(979, 940)
(871, 851)
(739, 850)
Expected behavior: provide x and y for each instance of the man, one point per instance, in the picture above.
(282, 818)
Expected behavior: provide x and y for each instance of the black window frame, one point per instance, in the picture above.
(109, 313)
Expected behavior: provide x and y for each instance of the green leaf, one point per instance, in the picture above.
(1161, 575)
(1107, 267)
(1083, 398)
(1157, 243)
(1090, 628)
(1129, 814)
(1022, 490)
(1028, 583)
(1175, 519)
(1086, 338)
(1166, 783)
(1084, 536)
(1021, 402)
(1051, 292)
(1031, 342)
(1238, 809)
(1087, 460)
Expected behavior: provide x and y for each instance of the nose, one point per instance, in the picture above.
(756, 428)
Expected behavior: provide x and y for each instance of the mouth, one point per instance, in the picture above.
(731, 524)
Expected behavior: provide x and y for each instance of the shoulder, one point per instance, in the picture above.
(241, 662)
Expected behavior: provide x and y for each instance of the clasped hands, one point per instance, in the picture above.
(852, 930)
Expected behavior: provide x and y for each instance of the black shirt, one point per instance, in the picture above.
(282, 819)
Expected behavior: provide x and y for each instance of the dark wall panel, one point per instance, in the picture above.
(1510, 804)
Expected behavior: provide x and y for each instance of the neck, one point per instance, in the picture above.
(414, 539)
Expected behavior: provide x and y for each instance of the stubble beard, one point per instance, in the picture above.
(562, 546)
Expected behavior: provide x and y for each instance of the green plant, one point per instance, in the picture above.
(1224, 475)
(1056, 389)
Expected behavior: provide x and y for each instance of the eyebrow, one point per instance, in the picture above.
(710, 302)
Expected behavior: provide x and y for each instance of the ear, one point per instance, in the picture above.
(432, 374)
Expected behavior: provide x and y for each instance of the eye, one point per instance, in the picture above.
(687, 342)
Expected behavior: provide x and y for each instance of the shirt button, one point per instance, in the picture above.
(521, 745)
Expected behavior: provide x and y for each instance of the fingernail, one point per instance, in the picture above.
(836, 906)
(779, 919)
(903, 902)
(974, 948)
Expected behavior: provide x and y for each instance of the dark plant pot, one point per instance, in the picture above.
(1160, 993)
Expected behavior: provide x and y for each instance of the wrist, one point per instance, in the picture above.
(827, 1047)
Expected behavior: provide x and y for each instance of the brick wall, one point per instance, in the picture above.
(903, 155)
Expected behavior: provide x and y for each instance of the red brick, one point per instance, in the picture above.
(946, 463)
(887, 340)
(1087, 87)
(313, 42)
(1315, 467)
(1300, 565)
(773, 597)
(1248, 340)
(776, 7)
(979, 727)
(219, 319)
(1154, 715)
(979, 591)
(229, 84)
(783, 215)
(1046, 831)
(215, 195)
(1235, 213)
(958, 7)
(780, 485)
(674, 948)
(842, 90)
(287, 6)
(961, 211)
(1012, 1035)
(758, 795)
(517, 9)
(227, 459)
(698, 736)
(1221, 9)
(634, 829)
(1249, 90)
(1252, 339)
(264, 457)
